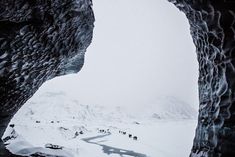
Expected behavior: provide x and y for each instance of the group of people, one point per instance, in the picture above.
(129, 135)
(104, 131)
(120, 132)
(78, 133)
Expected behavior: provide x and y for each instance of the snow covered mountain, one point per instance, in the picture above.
(172, 108)
(59, 107)
(73, 129)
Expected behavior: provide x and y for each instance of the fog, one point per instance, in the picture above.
(141, 50)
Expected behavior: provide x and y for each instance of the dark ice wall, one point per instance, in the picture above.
(213, 31)
(39, 40)
(42, 39)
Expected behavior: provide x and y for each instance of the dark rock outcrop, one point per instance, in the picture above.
(39, 40)
(212, 25)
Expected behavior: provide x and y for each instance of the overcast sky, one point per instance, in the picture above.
(141, 49)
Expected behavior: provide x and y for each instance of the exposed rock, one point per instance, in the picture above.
(213, 30)
(39, 40)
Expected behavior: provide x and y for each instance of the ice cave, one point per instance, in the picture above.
(42, 39)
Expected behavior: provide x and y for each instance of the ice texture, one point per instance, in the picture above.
(212, 25)
(39, 40)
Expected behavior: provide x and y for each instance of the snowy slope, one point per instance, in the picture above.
(172, 108)
(56, 118)
(48, 105)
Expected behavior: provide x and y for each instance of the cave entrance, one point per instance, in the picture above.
(142, 54)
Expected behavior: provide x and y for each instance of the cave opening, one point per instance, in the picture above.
(150, 56)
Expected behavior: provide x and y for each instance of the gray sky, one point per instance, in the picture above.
(141, 49)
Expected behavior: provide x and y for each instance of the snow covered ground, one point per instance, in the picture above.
(164, 129)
